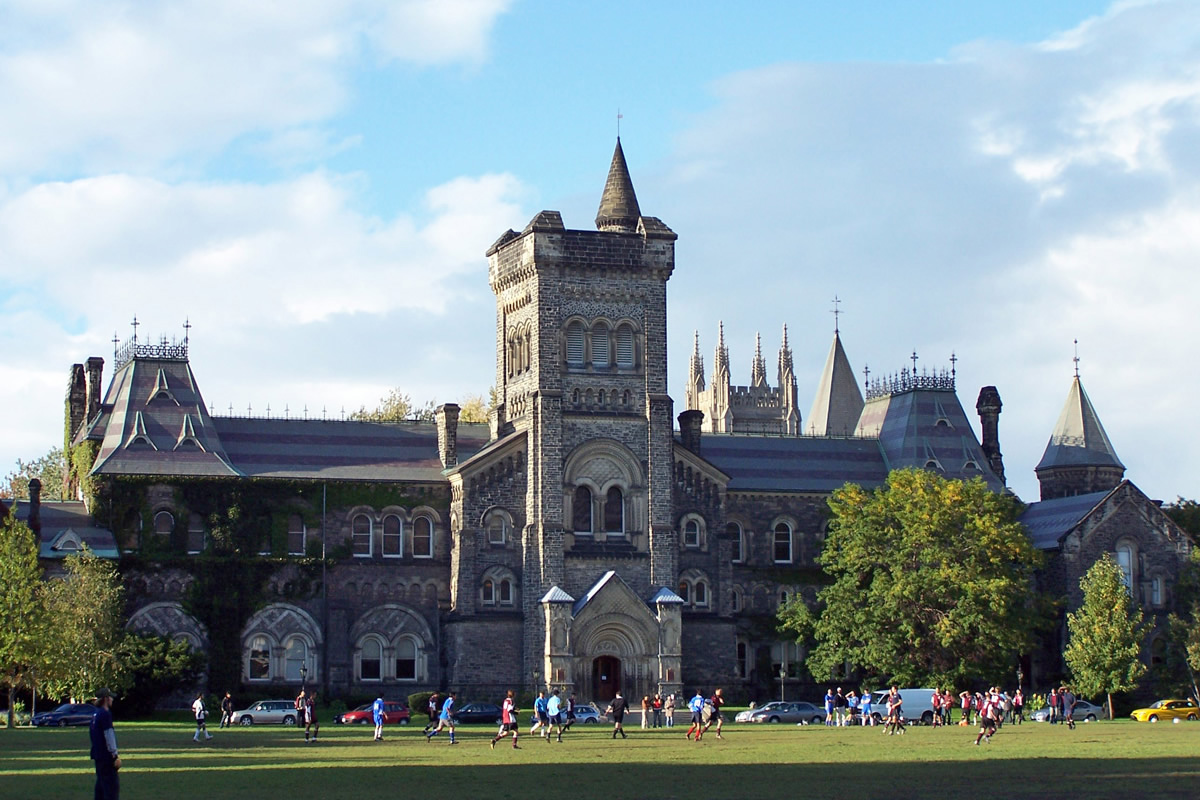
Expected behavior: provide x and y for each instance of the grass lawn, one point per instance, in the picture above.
(1100, 760)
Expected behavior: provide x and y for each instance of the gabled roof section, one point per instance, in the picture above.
(556, 595)
(187, 434)
(839, 403)
(666, 597)
(1048, 521)
(67, 527)
(618, 205)
(592, 592)
(162, 388)
(1079, 438)
(137, 434)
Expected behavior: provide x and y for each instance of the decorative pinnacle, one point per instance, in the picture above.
(836, 312)
(135, 327)
(758, 372)
(914, 360)
(953, 364)
(1076, 359)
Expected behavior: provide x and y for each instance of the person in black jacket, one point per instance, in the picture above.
(104, 748)
(617, 708)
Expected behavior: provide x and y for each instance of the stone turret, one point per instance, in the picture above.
(446, 418)
(758, 370)
(838, 403)
(988, 405)
(76, 401)
(1079, 457)
(95, 369)
(618, 205)
(695, 385)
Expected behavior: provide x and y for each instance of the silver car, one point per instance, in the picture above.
(1084, 712)
(267, 712)
(797, 713)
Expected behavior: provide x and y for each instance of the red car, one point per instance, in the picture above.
(393, 714)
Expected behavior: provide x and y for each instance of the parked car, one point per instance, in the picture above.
(1167, 709)
(477, 712)
(799, 713)
(267, 712)
(66, 714)
(586, 714)
(917, 705)
(1084, 712)
(744, 716)
(394, 713)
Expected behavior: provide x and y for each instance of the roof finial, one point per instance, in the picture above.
(187, 329)
(914, 360)
(135, 327)
(836, 312)
(953, 364)
(866, 374)
(620, 117)
(1076, 359)
(116, 341)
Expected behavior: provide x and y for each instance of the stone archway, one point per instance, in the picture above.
(606, 678)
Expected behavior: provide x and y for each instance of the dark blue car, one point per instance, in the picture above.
(66, 714)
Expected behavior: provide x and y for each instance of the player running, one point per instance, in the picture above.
(508, 721)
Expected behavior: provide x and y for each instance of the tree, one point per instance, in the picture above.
(82, 649)
(475, 408)
(932, 582)
(397, 406)
(157, 666)
(50, 469)
(1186, 514)
(1106, 634)
(1184, 622)
(20, 606)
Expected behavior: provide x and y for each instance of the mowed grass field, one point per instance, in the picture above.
(1119, 759)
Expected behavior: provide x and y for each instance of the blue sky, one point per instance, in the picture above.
(313, 185)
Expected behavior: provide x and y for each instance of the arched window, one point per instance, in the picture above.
(600, 354)
(625, 352)
(783, 543)
(685, 592)
(422, 537)
(361, 532)
(735, 600)
(614, 511)
(195, 534)
(742, 661)
(784, 597)
(691, 533)
(1156, 590)
(497, 529)
(575, 352)
(1125, 561)
(393, 536)
(734, 531)
(370, 659)
(295, 656)
(406, 660)
(489, 593)
(700, 593)
(296, 535)
(164, 523)
(260, 659)
(581, 510)
(506, 592)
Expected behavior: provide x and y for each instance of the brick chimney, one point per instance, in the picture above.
(689, 429)
(988, 405)
(447, 433)
(76, 401)
(35, 506)
(95, 369)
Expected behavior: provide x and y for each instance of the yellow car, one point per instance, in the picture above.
(1167, 709)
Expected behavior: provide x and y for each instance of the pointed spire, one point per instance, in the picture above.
(785, 359)
(758, 371)
(618, 206)
(839, 403)
(695, 374)
(721, 358)
(1078, 438)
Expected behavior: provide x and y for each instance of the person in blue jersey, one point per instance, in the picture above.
(696, 705)
(864, 708)
(541, 716)
(555, 714)
(445, 719)
(830, 703)
(377, 714)
(104, 748)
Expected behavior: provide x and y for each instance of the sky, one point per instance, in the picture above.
(312, 187)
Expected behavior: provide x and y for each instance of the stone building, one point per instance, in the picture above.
(579, 540)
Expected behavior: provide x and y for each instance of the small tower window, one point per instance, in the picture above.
(581, 511)
(575, 354)
(393, 536)
(600, 354)
(422, 538)
(361, 535)
(614, 511)
(783, 543)
(625, 354)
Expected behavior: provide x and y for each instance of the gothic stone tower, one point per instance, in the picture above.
(581, 370)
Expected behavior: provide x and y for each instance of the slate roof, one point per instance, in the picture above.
(618, 204)
(556, 595)
(665, 596)
(1048, 521)
(794, 463)
(839, 403)
(1079, 438)
(64, 523)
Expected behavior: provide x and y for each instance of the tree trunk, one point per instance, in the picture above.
(1110, 711)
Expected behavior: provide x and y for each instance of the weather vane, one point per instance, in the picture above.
(620, 117)
(836, 312)
(1076, 359)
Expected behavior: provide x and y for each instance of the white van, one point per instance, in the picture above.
(917, 704)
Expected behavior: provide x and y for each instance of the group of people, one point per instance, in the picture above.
(706, 712)
(654, 709)
(1061, 702)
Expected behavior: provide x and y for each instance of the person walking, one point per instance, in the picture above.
(310, 717)
(715, 702)
(431, 709)
(227, 711)
(1019, 706)
(1067, 698)
(696, 705)
(201, 712)
(445, 719)
(895, 718)
(508, 721)
(989, 712)
(670, 710)
(104, 748)
(377, 715)
(570, 713)
(1052, 702)
(554, 714)
(617, 708)
(541, 716)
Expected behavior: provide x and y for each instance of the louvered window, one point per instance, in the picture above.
(600, 355)
(625, 346)
(575, 344)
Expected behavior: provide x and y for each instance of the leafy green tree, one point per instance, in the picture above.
(82, 650)
(50, 469)
(932, 583)
(475, 408)
(1106, 634)
(20, 604)
(1184, 622)
(396, 406)
(157, 666)
(1186, 514)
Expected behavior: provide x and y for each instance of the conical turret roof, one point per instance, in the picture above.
(839, 403)
(1079, 438)
(618, 206)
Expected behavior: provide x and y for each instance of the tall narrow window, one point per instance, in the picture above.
(614, 511)
(741, 660)
(164, 523)
(625, 356)
(361, 528)
(1125, 562)
(506, 592)
(296, 535)
(581, 510)
(735, 600)
(691, 533)
(685, 592)
(575, 355)
(370, 659)
(783, 543)
(489, 593)
(406, 660)
(600, 356)
(195, 535)
(260, 659)
(700, 593)
(1156, 590)
(295, 656)
(497, 529)
(734, 531)
(393, 536)
(422, 537)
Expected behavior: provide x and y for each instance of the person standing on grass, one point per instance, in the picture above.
(617, 708)
(1019, 706)
(570, 713)
(201, 712)
(989, 714)
(864, 708)
(965, 697)
(1068, 704)
(657, 706)
(839, 707)
(715, 702)
(541, 716)
(508, 721)
(310, 717)
(830, 704)
(1052, 703)
(895, 702)
(445, 719)
(377, 715)
(301, 710)
(645, 711)
(554, 715)
(670, 709)
(227, 711)
(696, 704)
(431, 708)
(104, 748)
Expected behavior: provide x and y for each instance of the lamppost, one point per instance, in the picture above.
(1020, 675)
(303, 676)
(782, 678)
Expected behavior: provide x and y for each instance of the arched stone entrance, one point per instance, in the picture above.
(606, 677)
